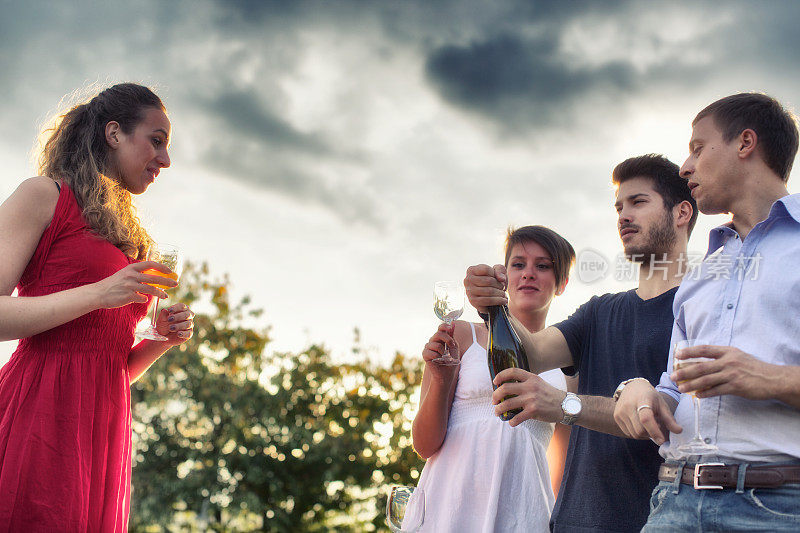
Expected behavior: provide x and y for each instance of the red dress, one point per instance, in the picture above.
(65, 404)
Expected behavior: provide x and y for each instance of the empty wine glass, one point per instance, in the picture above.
(448, 304)
(170, 257)
(405, 509)
(696, 446)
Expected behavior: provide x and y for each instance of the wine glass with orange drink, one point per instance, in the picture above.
(170, 257)
(698, 445)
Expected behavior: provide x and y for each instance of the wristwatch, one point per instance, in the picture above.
(571, 407)
(621, 386)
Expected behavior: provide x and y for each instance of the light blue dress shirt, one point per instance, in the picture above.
(744, 294)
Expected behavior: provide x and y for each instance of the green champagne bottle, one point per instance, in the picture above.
(505, 349)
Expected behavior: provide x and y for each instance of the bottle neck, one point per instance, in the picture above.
(496, 311)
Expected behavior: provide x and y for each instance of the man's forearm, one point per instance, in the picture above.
(597, 413)
(546, 349)
(528, 344)
(788, 385)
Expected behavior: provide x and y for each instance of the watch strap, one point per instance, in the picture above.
(570, 419)
(622, 385)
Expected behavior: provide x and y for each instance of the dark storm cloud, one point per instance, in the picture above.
(272, 170)
(247, 12)
(768, 36)
(490, 74)
(439, 15)
(519, 78)
(256, 145)
(500, 60)
(243, 114)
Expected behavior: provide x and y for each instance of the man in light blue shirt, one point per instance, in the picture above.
(742, 305)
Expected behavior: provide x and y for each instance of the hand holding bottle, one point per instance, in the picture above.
(486, 286)
(527, 394)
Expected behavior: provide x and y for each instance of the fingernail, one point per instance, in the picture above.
(171, 318)
(172, 328)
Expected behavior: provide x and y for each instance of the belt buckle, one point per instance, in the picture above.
(696, 478)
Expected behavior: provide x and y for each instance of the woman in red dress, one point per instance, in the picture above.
(71, 243)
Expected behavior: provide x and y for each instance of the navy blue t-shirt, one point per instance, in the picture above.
(608, 480)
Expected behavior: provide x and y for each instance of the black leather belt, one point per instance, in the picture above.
(722, 476)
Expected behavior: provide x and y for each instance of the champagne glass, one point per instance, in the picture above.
(170, 257)
(448, 304)
(405, 509)
(696, 446)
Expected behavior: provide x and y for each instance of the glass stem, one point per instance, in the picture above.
(155, 314)
(696, 402)
(446, 353)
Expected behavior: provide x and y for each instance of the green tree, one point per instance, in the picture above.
(228, 438)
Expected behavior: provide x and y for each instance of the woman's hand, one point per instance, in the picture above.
(175, 322)
(435, 349)
(130, 285)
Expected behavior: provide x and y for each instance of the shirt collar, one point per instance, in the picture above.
(719, 236)
(788, 205)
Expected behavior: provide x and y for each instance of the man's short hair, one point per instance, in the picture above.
(558, 247)
(775, 127)
(666, 179)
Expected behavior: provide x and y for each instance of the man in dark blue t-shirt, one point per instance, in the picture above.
(607, 479)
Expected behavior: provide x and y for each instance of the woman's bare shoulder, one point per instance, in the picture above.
(463, 333)
(36, 197)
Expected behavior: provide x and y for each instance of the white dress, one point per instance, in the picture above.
(488, 476)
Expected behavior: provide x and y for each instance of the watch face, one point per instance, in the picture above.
(572, 406)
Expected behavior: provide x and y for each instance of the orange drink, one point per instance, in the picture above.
(154, 272)
(170, 257)
(683, 363)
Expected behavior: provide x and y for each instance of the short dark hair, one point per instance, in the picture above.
(665, 176)
(558, 247)
(775, 127)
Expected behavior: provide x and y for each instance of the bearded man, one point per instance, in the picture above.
(610, 339)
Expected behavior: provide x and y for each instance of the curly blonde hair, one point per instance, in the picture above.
(76, 152)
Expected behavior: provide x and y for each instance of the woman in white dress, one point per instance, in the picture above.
(482, 474)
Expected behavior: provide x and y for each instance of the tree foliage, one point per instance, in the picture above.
(231, 437)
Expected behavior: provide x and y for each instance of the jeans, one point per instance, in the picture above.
(678, 507)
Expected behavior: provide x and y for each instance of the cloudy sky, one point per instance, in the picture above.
(336, 158)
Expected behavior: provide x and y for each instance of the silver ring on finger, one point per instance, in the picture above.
(643, 406)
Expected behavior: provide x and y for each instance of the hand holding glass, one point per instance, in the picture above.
(448, 304)
(696, 446)
(405, 509)
(170, 257)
